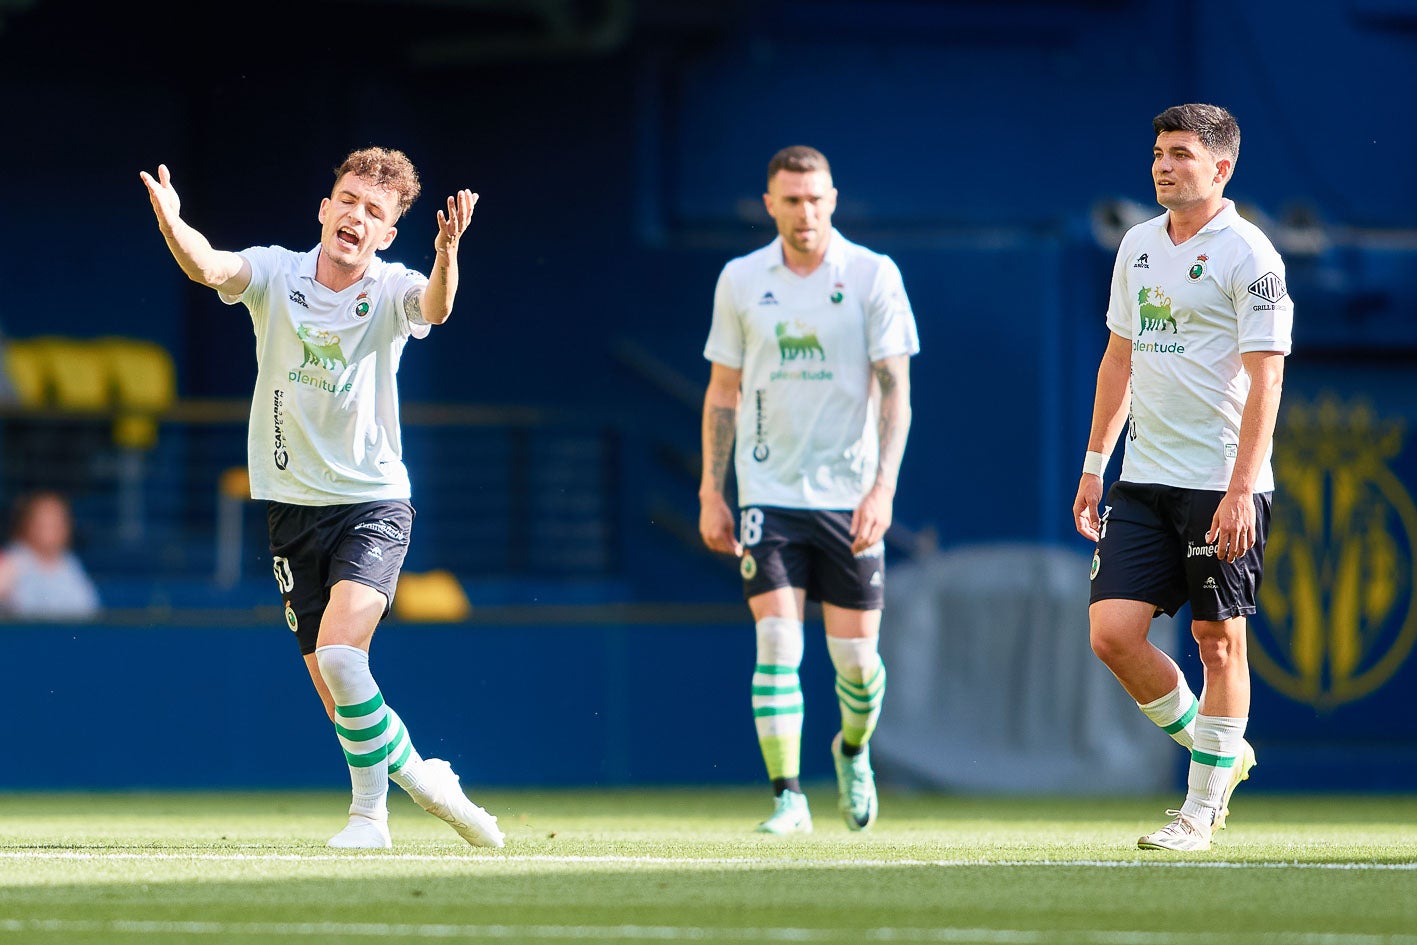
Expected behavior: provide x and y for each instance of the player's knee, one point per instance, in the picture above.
(854, 657)
(779, 641)
(1217, 646)
(1112, 646)
(339, 663)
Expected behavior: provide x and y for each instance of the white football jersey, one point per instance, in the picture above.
(806, 435)
(324, 426)
(1190, 311)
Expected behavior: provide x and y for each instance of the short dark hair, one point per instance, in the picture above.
(799, 159)
(386, 169)
(1214, 126)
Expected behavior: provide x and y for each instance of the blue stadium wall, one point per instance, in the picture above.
(971, 141)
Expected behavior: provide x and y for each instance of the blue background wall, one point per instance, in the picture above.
(619, 166)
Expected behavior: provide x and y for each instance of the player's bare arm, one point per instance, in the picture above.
(720, 424)
(1233, 527)
(872, 517)
(436, 303)
(227, 272)
(1109, 413)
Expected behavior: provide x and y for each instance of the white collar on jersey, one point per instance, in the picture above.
(308, 260)
(1226, 217)
(835, 257)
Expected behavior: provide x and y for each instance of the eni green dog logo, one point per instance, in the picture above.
(804, 344)
(1155, 310)
(1337, 615)
(321, 348)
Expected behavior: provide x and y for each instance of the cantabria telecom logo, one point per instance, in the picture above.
(1337, 614)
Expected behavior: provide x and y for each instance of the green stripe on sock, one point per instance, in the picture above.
(858, 704)
(776, 690)
(1183, 721)
(1215, 761)
(364, 708)
(768, 670)
(763, 711)
(363, 734)
(369, 760)
(402, 759)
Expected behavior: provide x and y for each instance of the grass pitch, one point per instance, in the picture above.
(684, 866)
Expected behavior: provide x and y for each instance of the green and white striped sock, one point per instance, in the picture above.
(860, 688)
(1219, 742)
(777, 696)
(1175, 712)
(363, 724)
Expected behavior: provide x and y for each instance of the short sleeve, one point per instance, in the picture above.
(409, 285)
(725, 339)
(1119, 299)
(890, 322)
(1264, 312)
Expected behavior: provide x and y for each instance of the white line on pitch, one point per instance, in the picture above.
(795, 863)
(662, 933)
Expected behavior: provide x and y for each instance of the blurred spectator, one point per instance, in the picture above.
(40, 576)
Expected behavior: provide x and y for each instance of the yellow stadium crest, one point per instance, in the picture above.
(1337, 616)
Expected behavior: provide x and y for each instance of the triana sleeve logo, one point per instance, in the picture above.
(1268, 287)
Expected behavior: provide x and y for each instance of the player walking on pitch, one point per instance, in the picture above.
(325, 450)
(810, 346)
(1200, 322)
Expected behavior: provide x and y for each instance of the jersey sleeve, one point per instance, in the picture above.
(1119, 299)
(263, 261)
(725, 339)
(890, 322)
(1264, 312)
(408, 284)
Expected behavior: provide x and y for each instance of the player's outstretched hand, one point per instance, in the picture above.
(871, 520)
(1085, 517)
(452, 223)
(166, 205)
(716, 526)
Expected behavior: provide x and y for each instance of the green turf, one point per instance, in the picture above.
(683, 866)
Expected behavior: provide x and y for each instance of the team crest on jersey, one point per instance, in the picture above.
(290, 620)
(748, 566)
(1155, 310)
(361, 305)
(1096, 565)
(838, 292)
(1197, 270)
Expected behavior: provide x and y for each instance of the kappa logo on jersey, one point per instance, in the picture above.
(1141, 262)
(361, 305)
(1269, 287)
(1155, 311)
(768, 298)
(299, 299)
(804, 344)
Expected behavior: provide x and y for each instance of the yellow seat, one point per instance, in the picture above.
(77, 373)
(144, 381)
(431, 597)
(24, 363)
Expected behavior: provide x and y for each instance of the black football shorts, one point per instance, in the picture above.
(315, 547)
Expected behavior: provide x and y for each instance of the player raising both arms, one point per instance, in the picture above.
(324, 449)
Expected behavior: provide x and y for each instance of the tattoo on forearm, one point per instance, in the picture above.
(412, 304)
(892, 426)
(722, 422)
